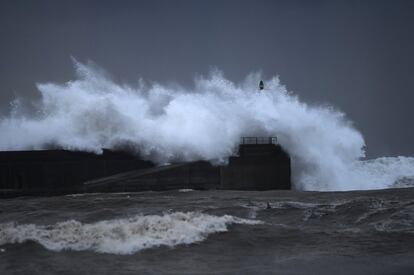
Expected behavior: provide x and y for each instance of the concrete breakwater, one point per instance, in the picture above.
(258, 166)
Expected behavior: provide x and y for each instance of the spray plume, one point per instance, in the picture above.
(166, 124)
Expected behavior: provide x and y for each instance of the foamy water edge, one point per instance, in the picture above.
(122, 236)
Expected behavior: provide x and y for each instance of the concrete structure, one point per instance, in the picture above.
(200, 175)
(49, 172)
(261, 164)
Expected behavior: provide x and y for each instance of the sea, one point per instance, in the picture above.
(323, 226)
(210, 232)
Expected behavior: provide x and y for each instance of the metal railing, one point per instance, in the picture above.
(258, 140)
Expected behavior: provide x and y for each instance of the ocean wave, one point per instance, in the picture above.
(169, 123)
(384, 172)
(122, 236)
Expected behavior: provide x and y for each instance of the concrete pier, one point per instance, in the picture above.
(261, 164)
(49, 172)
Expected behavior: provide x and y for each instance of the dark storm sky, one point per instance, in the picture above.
(355, 55)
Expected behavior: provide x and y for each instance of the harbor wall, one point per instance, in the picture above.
(52, 172)
(60, 171)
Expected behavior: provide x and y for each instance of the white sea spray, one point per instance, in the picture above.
(166, 124)
(122, 236)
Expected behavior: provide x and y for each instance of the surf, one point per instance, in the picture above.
(165, 123)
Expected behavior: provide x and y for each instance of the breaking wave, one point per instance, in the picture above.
(122, 236)
(164, 124)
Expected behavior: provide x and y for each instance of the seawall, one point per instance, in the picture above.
(54, 172)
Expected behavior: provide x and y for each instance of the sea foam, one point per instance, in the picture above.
(166, 124)
(122, 236)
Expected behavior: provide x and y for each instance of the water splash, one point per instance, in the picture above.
(166, 124)
(122, 236)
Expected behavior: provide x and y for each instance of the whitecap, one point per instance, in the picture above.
(122, 236)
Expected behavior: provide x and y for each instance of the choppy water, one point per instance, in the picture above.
(205, 232)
